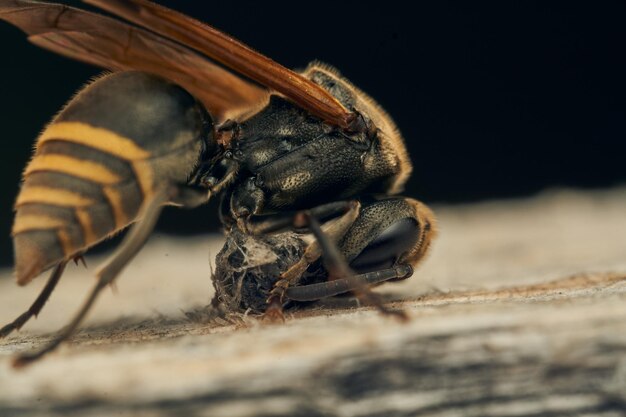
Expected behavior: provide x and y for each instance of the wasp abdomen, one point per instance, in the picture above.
(98, 162)
(75, 193)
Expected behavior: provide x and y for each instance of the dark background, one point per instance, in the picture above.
(494, 99)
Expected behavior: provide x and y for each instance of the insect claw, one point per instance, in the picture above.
(22, 361)
(274, 314)
(7, 330)
(275, 295)
(401, 315)
(80, 259)
(398, 314)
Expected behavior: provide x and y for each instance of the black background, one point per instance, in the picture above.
(494, 99)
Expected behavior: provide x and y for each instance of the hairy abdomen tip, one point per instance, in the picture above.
(30, 258)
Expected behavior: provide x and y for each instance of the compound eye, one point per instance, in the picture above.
(388, 247)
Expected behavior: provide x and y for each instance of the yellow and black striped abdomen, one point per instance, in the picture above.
(101, 158)
(82, 184)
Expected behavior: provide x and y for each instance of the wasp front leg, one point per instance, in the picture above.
(371, 242)
(332, 231)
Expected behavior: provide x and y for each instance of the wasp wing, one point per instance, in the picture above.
(116, 45)
(232, 54)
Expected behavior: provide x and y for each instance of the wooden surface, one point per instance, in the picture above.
(519, 311)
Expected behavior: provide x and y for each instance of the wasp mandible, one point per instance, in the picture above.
(175, 123)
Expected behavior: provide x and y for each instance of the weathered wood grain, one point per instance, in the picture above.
(520, 311)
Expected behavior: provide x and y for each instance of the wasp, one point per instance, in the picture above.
(187, 113)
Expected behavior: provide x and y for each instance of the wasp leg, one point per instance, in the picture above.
(272, 223)
(131, 245)
(338, 268)
(190, 197)
(386, 241)
(38, 304)
(313, 292)
(332, 231)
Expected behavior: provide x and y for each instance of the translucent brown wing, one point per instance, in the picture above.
(116, 45)
(231, 53)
